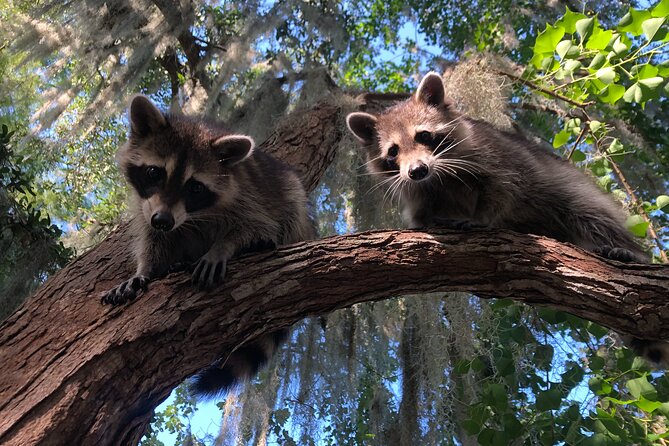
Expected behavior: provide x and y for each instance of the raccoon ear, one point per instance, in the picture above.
(363, 127)
(431, 90)
(232, 149)
(145, 118)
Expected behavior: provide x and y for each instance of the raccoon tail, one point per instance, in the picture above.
(242, 365)
(655, 352)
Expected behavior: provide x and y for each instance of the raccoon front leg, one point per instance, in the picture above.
(211, 268)
(152, 261)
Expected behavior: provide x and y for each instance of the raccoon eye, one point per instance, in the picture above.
(195, 187)
(393, 151)
(424, 137)
(153, 173)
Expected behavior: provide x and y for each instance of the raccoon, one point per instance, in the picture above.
(203, 195)
(450, 170)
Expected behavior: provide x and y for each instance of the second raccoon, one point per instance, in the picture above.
(202, 195)
(451, 170)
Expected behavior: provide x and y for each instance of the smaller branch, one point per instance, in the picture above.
(640, 209)
(547, 91)
(209, 44)
(578, 140)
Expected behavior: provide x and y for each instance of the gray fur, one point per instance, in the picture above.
(489, 177)
(251, 200)
(480, 176)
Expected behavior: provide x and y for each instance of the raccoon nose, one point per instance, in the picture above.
(162, 220)
(418, 171)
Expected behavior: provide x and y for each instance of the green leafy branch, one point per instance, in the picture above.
(577, 61)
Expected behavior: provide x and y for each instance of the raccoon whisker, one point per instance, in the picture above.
(390, 193)
(370, 161)
(455, 167)
(376, 173)
(453, 173)
(476, 167)
(382, 183)
(399, 189)
(449, 124)
(455, 144)
(444, 140)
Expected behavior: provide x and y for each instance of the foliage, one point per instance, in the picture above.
(28, 238)
(596, 70)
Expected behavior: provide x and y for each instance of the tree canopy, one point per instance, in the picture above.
(589, 81)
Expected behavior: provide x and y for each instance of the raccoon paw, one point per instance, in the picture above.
(619, 254)
(126, 291)
(209, 273)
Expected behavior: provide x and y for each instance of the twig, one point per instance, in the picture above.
(548, 91)
(640, 209)
(578, 140)
(209, 44)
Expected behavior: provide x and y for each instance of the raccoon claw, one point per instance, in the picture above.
(126, 291)
(208, 274)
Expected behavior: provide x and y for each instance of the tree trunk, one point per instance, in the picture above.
(75, 372)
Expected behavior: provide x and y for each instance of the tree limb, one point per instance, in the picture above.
(76, 372)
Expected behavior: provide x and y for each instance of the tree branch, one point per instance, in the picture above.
(66, 357)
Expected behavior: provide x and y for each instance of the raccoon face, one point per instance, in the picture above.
(412, 140)
(180, 169)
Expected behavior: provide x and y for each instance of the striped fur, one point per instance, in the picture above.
(203, 195)
(450, 170)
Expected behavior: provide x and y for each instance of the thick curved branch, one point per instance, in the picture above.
(66, 357)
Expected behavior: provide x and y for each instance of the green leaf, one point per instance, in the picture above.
(651, 26)
(599, 386)
(664, 409)
(637, 225)
(632, 21)
(597, 61)
(647, 71)
(612, 93)
(661, 10)
(639, 387)
(551, 316)
(461, 366)
(652, 82)
(573, 375)
(599, 39)
(596, 363)
(563, 48)
(646, 405)
(561, 138)
(497, 396)
(620, 47)
(549, 400)
(633, 93)
(548, 39)
(606, 75)
(511, 425)
(584, 27)
(569, 19)
(597, 330)
(662, 202)
(578, 156)
(572, 65)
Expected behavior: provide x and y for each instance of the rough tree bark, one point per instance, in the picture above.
(75, 372)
